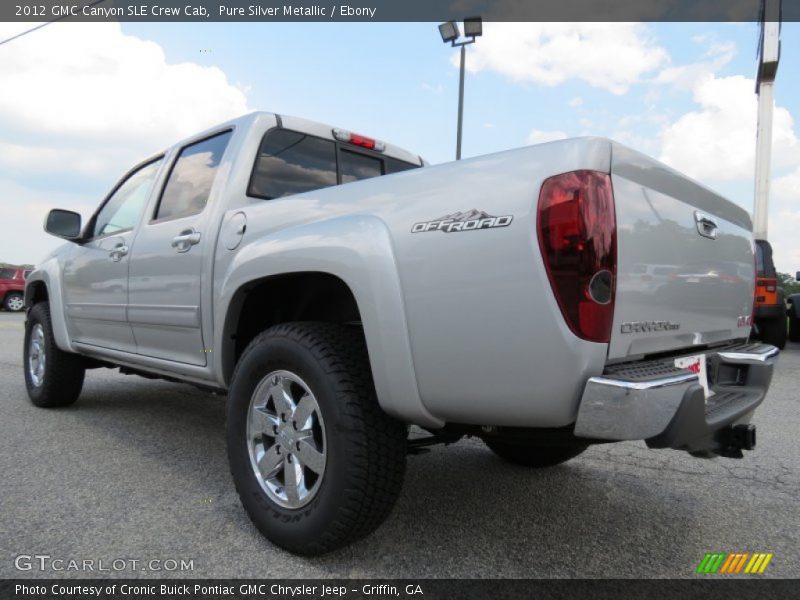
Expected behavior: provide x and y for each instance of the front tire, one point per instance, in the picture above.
(317, 464)
(529, 455)
(53, 377)
(14, 302)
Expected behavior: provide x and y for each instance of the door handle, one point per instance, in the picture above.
(185, 240)
(118, 252)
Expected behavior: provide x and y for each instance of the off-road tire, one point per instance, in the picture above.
(529, 455)
(773, 331)
(64, 371)
(366, 449)
(794, 326)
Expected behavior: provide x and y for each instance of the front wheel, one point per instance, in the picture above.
(316, 462)
(53, 377)
(530, 455)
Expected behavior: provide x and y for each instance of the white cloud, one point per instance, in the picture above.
(687, 77)
(437, 89)
(717, 141)
(537, 136)
(88, 83)
(24, 240)
(786, 189)
(87, 100)
(783, 227)
(24, 159)
(610, 56)
(576, 102)
(784, 221)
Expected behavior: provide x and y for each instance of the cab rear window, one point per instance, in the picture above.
(289, 162)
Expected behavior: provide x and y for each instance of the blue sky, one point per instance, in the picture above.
(399, 82)
(396, 80)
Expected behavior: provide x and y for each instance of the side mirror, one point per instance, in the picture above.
(64, 224)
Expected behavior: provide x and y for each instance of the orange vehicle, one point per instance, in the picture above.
(769, 307)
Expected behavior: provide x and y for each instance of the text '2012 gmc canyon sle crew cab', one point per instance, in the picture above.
(338, 289)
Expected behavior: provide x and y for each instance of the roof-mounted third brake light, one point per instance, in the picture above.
(359, 140)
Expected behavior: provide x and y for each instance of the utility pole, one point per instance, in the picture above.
(768, 57)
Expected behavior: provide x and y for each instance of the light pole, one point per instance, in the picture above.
(768, 57)
(473, 27)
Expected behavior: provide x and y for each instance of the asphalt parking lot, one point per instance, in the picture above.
(137, 470)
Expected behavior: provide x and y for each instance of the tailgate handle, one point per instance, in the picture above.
(706, 226)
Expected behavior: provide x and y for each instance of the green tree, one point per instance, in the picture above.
(788, 283)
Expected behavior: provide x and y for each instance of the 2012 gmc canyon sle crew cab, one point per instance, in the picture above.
(339, 292)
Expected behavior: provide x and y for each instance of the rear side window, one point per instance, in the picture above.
(7, 273)
(290, 162)
(189, 184)
(26, 273)
(358, 166)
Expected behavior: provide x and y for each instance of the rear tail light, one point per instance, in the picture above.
(577, 233)
(766, 290)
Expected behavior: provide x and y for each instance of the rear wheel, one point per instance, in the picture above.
(316, 462)
(52, 377)
(531, 455)
(14, 302)
(773, 331)
(794, 326)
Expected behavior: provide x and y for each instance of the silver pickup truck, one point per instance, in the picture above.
(338, 289)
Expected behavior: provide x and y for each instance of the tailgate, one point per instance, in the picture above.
(685, 271)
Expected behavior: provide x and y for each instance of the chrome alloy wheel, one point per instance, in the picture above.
(286, 439)
(36, 355)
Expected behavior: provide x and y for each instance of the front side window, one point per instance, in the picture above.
(189, 185)
(290, 162)
(7, 273)
(123, 209)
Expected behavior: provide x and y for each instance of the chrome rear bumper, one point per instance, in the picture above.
(658, 402)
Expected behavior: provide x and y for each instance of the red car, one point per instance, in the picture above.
(12, 287)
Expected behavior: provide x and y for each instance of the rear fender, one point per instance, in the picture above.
(358, 250)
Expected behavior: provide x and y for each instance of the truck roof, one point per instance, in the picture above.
(304, 126)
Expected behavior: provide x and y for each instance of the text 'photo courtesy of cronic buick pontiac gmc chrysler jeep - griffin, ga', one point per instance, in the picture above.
(339, 289)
